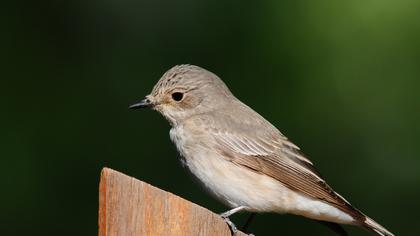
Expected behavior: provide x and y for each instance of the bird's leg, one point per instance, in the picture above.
(248, 222)
(225, 216)
(233, 211)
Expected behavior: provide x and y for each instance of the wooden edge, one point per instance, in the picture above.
(102, 201)
(198, 216)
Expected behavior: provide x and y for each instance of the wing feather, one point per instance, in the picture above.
(282, 161)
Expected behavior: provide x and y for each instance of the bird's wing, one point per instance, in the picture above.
(280, 159)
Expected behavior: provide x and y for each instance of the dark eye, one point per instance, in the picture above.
(177, 96)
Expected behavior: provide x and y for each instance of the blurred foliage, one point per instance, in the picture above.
(340, 79)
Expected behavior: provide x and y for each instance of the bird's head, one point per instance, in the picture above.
(185, 91)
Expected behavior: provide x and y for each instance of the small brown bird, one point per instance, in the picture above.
(239, 157)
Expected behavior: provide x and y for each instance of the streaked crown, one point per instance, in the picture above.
(188, 76)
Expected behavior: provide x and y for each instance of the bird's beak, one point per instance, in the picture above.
(145, 103)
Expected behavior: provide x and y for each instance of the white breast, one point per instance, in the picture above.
(238, 186)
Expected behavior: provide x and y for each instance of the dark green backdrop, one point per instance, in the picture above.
(339, 78)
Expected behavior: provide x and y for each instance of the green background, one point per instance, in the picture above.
(339, 78)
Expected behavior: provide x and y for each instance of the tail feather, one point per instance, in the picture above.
(375, 228)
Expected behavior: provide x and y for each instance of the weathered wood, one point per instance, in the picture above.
(130, 207)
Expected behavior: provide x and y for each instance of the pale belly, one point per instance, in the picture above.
(237, 186)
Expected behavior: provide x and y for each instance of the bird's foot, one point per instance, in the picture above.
(231, 225)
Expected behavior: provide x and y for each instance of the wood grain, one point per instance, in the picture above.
(130, 207)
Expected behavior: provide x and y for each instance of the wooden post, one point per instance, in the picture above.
(130, 207)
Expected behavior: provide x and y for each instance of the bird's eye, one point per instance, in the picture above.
(177, 96)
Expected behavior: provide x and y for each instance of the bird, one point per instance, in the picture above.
(239, 157)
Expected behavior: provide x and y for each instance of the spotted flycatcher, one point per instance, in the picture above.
(241, 158)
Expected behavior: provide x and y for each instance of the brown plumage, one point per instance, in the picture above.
(239, 157)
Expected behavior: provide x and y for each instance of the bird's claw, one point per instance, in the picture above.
(231, 225)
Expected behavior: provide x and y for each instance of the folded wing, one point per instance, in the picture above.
(280, 159)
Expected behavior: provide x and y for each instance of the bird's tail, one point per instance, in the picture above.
(377, 229)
